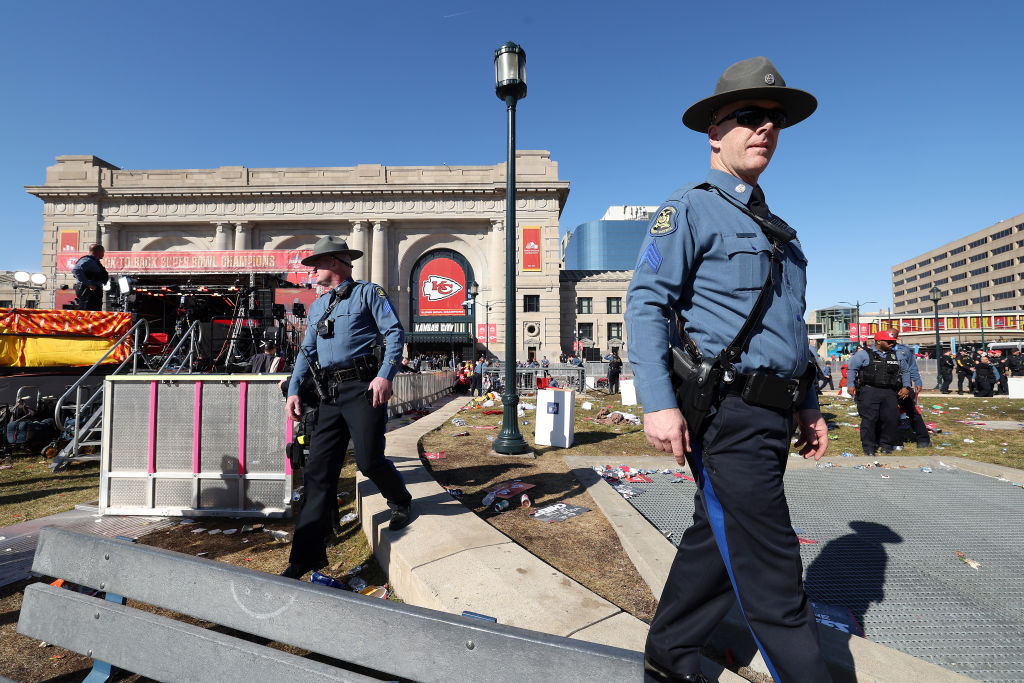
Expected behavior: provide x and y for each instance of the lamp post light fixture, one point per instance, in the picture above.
(510, 86)
(935, 294)
(24, 280)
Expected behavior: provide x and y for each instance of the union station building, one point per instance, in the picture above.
(431, 235)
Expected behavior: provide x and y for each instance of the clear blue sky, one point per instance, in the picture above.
(917, 139)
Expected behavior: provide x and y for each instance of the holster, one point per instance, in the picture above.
(366, 367)
(695, 383)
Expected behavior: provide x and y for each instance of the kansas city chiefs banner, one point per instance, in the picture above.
(442, 288)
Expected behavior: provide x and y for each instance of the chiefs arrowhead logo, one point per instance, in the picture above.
(438, 287)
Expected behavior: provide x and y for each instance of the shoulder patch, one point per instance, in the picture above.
(665, 223)
(651, 256)
(380, 291)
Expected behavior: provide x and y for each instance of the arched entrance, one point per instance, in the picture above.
(440, 322)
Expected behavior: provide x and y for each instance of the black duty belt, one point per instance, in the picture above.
(767, 390)
(342, 375)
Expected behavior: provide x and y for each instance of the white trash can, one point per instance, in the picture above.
(555, 419)
(628, 392)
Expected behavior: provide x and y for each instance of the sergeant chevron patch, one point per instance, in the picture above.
(651, 256)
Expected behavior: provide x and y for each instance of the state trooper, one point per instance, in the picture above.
(909, 403)
(343, 326)
(879, 378)
(703, 272)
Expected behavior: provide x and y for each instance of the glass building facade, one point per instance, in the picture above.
(605, 245)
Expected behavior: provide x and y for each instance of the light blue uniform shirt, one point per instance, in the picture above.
(707, 260)
(904, 353)
(860, 359)
(358, 319)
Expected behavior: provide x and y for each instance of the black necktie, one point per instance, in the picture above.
(757, 205)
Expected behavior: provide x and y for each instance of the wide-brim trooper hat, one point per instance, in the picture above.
(330, 245)
(751, 79)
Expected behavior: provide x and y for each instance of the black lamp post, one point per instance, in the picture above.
(510, 86)
(935, 294)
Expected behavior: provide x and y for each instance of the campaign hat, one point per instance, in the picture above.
(884, 335)
(330, 245)
(752, 79)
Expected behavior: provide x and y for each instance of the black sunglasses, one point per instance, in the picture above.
(755, 116)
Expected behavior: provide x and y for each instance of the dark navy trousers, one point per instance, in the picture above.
(741, 546)
(350, 415)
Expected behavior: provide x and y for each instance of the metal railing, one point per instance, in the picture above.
(92, 422)
(192, 336)
(530, 379)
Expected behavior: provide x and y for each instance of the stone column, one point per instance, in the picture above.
(108, 236)
(359, 266)
(221, 239)
(242, 236)
(497, 260)
(378, 268)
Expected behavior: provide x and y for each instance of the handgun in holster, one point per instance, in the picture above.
(316, 374)
(695, 381)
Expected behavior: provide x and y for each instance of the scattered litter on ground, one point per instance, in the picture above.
(973, 564)
(350, 517)
(439, 455)
(198, 530)
(228, 532)
(558, 512)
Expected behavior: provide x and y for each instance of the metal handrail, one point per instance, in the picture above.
(189, 336)
(142, 322)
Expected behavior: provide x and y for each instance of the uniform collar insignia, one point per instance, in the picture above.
(730, 184)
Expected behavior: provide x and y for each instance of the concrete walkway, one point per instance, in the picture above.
(449, 559)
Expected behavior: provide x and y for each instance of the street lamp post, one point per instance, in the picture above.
(936, 295)
(510, 86)
(858, 304)
(981, 319)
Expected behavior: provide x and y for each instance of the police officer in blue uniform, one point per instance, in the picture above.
(878, 379)
(90, 277)
(704, 263)
(343, 326)
(909, 403)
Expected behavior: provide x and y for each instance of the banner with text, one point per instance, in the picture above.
(531, 248)
(487, 333)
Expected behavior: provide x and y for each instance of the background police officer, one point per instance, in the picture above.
(985, 376)
(909, 402)
(964, 370)
(90, 276)
(878, 379)
(947, 363)
(705, 259)
(343, 326)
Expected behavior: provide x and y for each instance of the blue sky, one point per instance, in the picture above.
(916, 141)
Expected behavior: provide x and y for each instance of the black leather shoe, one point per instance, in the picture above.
(401, 515)
(296, 569)
(655, 673)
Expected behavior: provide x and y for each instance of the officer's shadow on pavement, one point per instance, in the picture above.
(850, 570)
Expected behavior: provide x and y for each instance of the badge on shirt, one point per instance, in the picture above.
(665, 223)
(380, 291)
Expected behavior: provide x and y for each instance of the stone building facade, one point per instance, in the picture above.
(401, 217)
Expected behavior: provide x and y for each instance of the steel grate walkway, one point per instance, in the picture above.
(886, 550)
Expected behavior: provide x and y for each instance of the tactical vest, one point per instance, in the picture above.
(985, 373)
(881, 371)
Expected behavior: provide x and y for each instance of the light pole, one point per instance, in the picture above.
(935, 294)
(857, 305)
(474, 291)
(510, 86)
(981, 320)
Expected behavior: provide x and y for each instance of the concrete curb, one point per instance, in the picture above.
(451, 560)
(849, 658)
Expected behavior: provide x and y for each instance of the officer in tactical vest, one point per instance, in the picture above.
(946, 366)
(878, 379)
(985, 376)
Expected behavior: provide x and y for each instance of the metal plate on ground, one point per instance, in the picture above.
(16, 563)
(886, 549)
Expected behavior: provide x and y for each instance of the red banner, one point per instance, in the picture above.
(442, 288)
(531, 249)
(68, 241)
(248, 261)
(491, 334)
(863, 334)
